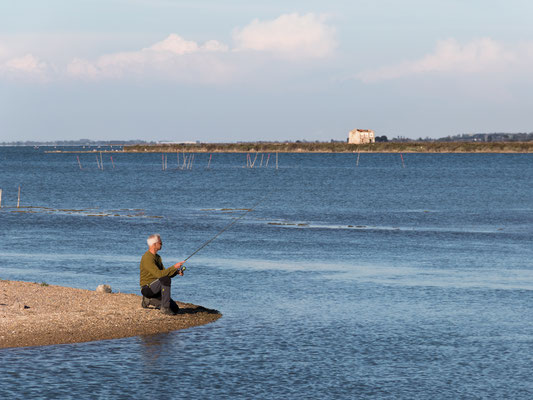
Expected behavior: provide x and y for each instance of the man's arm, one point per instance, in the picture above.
(148, 264)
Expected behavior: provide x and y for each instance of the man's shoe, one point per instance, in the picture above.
(167, 311)
(145, 302)
(156, 302)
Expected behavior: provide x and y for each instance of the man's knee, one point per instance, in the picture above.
(165, 281)
(149, 293)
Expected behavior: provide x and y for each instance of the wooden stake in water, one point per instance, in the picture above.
(79, 163)
(18, 200)
(97, 162)
(209, 162)
(268, 158)
(358, 154)
(261, 164)
(101, 162)
(403, 164)
(255, 159)
(276, 160)
(112, 163)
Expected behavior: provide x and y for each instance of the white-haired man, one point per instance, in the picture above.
(155, 278)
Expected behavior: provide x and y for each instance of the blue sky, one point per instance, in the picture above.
(223, 71)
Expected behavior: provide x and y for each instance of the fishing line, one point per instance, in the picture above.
(226, 228)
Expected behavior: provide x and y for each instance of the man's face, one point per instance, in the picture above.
(159, 244)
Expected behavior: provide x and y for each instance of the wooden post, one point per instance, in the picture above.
(276, 160)
(97, 162)
(18, 201)
(357, 163)
(112, 163)
(262, 155)
(79, 163)
(268, 158)
(208, 164)
(403, 164)
(101, 162)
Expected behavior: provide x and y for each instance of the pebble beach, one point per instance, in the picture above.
(37, 314)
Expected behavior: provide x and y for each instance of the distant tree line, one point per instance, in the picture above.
(489, 137)
(79, 142)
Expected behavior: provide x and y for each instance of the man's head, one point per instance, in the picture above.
(154, 243)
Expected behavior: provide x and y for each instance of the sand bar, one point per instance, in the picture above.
(34, 314)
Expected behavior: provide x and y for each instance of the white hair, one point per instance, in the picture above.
(152, 239)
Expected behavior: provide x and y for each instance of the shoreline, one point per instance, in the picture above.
(297, 152)
(34, 314)
(323, 148)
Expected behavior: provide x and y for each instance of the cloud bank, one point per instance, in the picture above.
(173, 58)
(483, 57)
(27, 67)
(290, 36)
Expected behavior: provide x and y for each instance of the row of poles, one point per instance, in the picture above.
(99, 161)
(251, 164)
(188, 160)
(18, 199)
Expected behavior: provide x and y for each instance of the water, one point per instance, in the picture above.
(374, 281)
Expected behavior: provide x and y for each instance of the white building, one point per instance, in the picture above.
(361, 136)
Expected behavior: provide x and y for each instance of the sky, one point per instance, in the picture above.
(235, 70)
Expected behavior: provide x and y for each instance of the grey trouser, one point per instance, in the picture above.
(161, 287)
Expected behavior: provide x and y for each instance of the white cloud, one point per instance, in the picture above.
(173, 58)
(174, 44)
(291, 35)
(177, 45)
(480, 57)
(26, 67)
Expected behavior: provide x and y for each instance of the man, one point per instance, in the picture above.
(155, 278)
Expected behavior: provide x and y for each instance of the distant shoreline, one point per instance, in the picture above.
(338, 147)
(335, 147)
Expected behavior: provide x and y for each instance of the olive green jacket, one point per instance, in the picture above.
(152, 268)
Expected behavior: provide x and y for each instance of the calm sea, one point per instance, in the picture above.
(349, 279)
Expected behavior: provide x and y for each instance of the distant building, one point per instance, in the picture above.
(361, 136)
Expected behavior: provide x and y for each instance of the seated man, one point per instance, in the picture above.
(155, 278)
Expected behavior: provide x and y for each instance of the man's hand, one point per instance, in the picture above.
(178, 267)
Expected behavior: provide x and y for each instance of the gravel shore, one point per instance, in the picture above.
(34, 314)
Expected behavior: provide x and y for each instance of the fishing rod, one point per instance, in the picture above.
(224, 229)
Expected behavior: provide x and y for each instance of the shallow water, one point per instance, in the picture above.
(345, 281)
